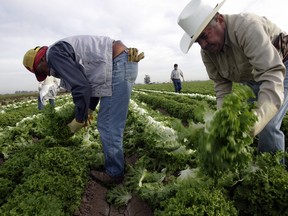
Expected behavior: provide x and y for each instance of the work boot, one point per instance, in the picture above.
(103, 177)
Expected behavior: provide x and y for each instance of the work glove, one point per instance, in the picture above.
(133, 55)
(90, 117)
(75, 126)
(264, 114)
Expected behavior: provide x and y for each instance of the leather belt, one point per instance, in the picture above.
(118, 48)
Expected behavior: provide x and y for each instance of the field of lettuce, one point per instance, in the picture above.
(189, 159)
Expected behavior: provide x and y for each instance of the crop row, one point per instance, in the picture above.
(47, 167)
(178, 106)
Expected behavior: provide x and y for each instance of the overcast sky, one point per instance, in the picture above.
(149, 25)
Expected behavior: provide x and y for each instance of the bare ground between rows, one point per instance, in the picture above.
(94, 201)
(94, 204)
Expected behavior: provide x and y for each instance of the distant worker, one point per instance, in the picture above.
(175, 77)
(47, 91)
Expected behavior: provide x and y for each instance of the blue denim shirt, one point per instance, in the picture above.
(84, 65)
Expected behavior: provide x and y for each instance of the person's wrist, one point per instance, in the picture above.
(90, 111)
(80, 121)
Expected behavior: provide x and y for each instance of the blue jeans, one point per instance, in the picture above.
(271, 138)
(177, 85)
(113, 113)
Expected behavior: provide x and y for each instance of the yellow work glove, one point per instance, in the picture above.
(75, 126)
(133, 55)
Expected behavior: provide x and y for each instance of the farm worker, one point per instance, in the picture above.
(93, 67)
(47, 91)
(176, 73)
(243, 48)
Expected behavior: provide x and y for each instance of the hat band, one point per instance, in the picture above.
(39, 56)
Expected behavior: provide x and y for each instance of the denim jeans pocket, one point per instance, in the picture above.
(131, 71)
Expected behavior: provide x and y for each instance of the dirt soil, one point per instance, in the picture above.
(94, 204)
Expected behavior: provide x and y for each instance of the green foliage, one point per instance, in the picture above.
(63, 160)
(39, 174)
(158, 145)
(174, 108)
(201, 103)
(133, 141)
(5, 189)
(202, 87)
(190, 134)
(264, 190)
(196, 198)
(226, 144)
(12, 116)
(15, 138)
(156, 192)
(118, 196)
(33, 204)
(52, 126)
(56, 172)
(14, 167)
(47, 183)
(153, 187)
(54, 123)
(46, 169)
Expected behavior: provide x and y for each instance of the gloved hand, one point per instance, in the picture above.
(133, 55)
(257, 128)
(75, 126)
(264, 114)
(90, 117)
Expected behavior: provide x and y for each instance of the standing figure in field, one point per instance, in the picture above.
(47, 91)
(176, 74)
(93, 67)
(243, 48)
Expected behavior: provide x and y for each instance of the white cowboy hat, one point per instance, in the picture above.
(193, 19)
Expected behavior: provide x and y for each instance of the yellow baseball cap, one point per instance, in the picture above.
(32, 58)
(29, 57)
